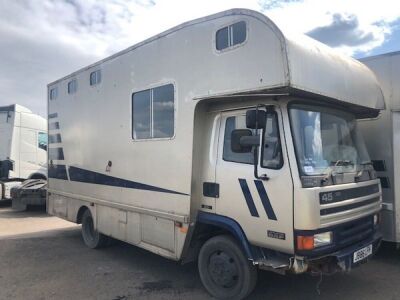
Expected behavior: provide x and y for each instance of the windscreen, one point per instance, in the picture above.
(327, 139)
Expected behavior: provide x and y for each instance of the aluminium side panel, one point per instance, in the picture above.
(149, 182)
(396, 162)
(382, 137)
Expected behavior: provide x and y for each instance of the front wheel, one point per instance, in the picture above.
(92, 238)
(224, 270)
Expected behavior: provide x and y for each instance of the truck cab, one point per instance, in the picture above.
(304, 185)
(23, 147)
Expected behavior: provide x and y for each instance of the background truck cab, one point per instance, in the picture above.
(23, 147)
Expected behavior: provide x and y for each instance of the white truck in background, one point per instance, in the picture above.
(23, 147)
(225, 141)
(382, 136)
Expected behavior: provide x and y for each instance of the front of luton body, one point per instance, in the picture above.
(222, 141)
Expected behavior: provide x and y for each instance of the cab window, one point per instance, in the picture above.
(272, 148)
(271, 151)
(232, 123)
(42, 140)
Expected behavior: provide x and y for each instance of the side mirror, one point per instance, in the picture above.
(255, 119)
(243, 141)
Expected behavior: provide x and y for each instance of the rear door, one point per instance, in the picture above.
(263, 208)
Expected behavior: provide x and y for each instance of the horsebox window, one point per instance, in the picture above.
(53, 93)
(153, 113)
(231, 35)
(95, 77)
(72, 86)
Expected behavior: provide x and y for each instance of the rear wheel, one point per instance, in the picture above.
(224, 270)
(92, 238)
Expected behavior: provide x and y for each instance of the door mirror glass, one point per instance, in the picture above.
(255, 119)
(242, 140)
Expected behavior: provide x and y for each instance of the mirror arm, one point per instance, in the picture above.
(263, 176)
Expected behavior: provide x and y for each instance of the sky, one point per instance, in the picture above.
(42, 41)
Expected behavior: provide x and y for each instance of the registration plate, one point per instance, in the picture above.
(362, 253)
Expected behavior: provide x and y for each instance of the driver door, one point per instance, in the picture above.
(263, 208)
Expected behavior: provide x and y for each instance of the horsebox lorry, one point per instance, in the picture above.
(221, 140)
(382, 136)
(23, 147)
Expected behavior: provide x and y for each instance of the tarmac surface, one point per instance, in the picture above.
(43, 257)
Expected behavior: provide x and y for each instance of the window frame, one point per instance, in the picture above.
(230, 36)
(98, 78)
(275, 113)
(74, 83)
(55, 89)
(151, 87)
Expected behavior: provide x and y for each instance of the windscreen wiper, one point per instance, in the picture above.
(342, 163)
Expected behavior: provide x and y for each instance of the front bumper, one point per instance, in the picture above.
(343, 260)
(347, 238)
(345, 256)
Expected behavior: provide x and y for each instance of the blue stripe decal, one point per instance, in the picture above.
(248, 197)
(82, 175)
(54, 115)
(265, 200)
(57, 172)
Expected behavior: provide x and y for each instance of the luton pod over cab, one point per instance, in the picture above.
(23, 147)
(224, 141)
(382, 137)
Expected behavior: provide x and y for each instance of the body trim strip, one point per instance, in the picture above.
(87, 176)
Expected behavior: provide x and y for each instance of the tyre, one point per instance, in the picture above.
(225, 271)
(92, 238)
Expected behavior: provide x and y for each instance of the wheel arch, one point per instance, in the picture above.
(37, 175)
(80, 213)
(208, 225)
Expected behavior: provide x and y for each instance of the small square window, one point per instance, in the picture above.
(238, 33)
(53, 93)
(95, 77)
(231, 35)
(72, 86)
(222, 38)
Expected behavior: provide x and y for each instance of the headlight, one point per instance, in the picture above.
(322, 239)
(314, 241)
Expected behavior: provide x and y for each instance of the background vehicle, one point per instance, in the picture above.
(383, 141)
(31, 192)
(23, 147)
(221, 140)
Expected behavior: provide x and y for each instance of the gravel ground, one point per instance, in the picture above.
(43, 257)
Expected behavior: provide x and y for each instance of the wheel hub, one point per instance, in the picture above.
(223, 269)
